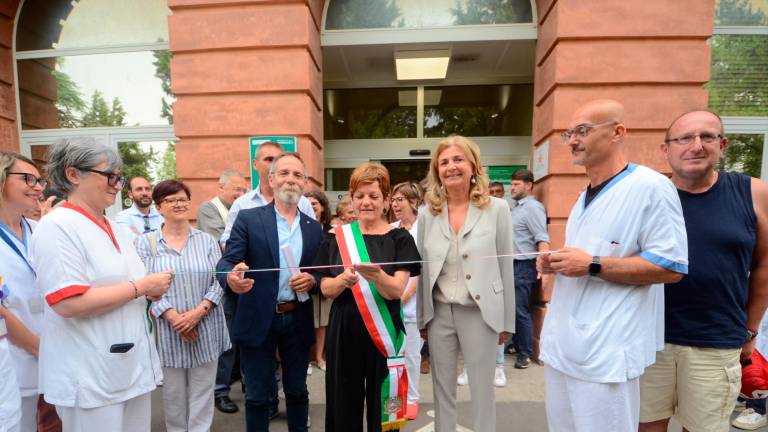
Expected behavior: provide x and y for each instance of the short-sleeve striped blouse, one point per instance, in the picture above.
(194, 281)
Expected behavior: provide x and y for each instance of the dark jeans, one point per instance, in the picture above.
(757, 404)
(525, 282)
(258, 364)
(227, 358)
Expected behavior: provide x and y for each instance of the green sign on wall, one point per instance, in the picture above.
(503, 173)
(288, 143)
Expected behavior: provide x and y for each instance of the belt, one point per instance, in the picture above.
(285, 307)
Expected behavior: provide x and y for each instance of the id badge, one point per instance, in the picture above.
(36, 305)
(3, 329)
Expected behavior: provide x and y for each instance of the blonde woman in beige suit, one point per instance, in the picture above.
(466, 301)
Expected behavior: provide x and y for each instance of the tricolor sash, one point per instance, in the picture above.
(378, 321)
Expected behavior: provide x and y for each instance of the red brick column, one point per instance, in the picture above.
(9, 133)
(244, 68)
(652, 56)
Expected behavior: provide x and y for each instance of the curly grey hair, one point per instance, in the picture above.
(78, 152)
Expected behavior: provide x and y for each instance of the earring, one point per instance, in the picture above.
(472, 180)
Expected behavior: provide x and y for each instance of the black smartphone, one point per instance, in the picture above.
(121, 348)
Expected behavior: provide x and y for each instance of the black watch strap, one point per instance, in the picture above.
(595, 266)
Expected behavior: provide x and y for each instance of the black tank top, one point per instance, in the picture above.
(708, 307)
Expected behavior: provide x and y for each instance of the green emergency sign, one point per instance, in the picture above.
(288, 143)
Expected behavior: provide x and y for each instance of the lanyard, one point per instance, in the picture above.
(4, 236)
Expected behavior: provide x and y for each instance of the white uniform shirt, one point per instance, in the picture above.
(255, 199)
(73, 253)
(10, 400)
(133, 220)
(25, 301)
(600, 331)
(409, 307)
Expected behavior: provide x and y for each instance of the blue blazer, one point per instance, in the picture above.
(253, 240)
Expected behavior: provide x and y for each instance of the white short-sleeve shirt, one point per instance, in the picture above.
(73, 253)
(25, 301)
(600, 331)
(10, 400)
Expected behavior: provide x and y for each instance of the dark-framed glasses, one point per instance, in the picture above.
(705, 137)
(398, 200)
(31, 180)
(176, 202)
(112, 178)
(582, 130)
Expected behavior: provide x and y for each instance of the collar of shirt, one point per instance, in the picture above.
(136, 212)
(256, 195)
(523, 200)
(160, 237)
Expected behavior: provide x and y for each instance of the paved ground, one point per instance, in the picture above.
(519, 406)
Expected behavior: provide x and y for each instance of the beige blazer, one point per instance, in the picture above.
(491, 282)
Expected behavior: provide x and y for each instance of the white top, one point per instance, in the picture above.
(409, 307)
(255, 199)
(25, 301)
(133, 220)
(10, 400)
(605, 332)
(73, 253)
(761, 342)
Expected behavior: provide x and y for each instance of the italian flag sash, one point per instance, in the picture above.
(378, 321)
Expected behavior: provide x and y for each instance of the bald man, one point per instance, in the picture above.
(713, 314)
(624, 238)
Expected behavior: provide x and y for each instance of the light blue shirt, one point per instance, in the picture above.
(255, 199)
(132, 219)
(290, 236)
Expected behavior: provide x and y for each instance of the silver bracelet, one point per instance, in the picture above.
(135, 289)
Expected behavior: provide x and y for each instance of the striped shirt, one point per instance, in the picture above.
(194, 281)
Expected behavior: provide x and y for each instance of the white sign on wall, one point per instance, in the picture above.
(541, 161)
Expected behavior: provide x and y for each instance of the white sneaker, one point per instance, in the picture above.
(499, 379)
(309, 369)
(462, 380)
(749, 420)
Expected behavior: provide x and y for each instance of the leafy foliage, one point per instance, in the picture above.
(492, 12)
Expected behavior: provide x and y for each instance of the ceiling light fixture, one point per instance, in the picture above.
(422, 65)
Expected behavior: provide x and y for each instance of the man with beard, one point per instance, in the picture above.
(274, 309)
(141, 217)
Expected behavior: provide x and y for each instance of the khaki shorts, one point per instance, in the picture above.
(699, 386)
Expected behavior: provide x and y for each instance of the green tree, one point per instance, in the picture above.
(743, 154)
(162, 65)
(69, 100)
(349, 14)
(492, 12)
(167, 166)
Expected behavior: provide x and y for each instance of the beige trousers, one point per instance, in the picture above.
(188, 398)
(455, 328)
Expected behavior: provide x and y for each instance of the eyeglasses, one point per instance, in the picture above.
(398, 200)
(31, 180)
(582, 130)
(180, 202)
(112, 178)
(705, 137)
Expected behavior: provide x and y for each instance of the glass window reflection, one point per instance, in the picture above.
(370, 14)
(369, 113)
(103, 90)
(744, 154)
(56, 24)
(738, 84)
(490, 110)
(741, 13)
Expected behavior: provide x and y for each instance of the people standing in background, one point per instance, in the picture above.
(20, 189)
(98, 360)
(191, 329)
(529, 219)
(141, 217)
(405, 202)
(345, 213)
(496, 189)
(321, 303)
(212, 219)
(463, 303)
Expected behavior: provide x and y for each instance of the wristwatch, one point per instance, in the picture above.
(595, 266)
(751, 335)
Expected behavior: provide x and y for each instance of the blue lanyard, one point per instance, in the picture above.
(4, 236)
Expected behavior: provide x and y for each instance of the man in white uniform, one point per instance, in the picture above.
(625, 236)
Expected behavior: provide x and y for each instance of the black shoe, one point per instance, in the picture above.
(273, 412)
(225, 405)
(522, 362)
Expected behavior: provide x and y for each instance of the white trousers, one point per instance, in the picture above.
(574, 405)
(28, 422)
(413, 344)
(133, 415)
(188, 398)
(460, 328)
